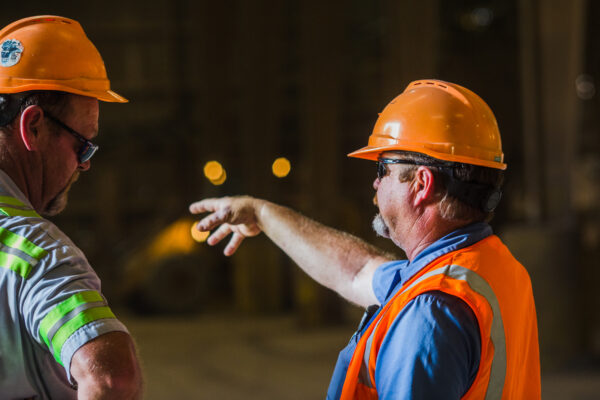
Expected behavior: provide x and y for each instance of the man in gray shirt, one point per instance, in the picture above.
(58, 337)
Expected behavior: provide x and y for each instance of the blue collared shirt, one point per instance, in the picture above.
(432, 348)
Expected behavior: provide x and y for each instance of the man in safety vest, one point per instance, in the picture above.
(457, 319)
(58, 337)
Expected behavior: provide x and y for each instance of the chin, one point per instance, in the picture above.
(59, 202)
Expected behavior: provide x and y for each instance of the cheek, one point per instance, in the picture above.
(390, 198)
(383, 199)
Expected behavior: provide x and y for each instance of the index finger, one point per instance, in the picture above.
(206, 205)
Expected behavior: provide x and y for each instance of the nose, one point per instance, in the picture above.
(84, 166)
(376, 183)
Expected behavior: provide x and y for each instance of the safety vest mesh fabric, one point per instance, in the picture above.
(498, 290)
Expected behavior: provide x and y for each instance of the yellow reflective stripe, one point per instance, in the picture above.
(15, 264)
(15, 212)
(18, 254)
(69, 328)
(64, 308)
(19, 242)
(12, 201)
(12, 207)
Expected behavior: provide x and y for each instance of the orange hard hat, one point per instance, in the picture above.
(440, 119)
(52, 53)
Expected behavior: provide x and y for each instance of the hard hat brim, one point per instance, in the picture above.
(102, 95)
(372, 153)
(112, 97)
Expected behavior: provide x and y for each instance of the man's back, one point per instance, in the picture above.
(50, 302)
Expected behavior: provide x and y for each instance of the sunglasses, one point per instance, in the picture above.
(87, 149)
(382, 163)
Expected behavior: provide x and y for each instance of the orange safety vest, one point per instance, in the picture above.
(498, 289)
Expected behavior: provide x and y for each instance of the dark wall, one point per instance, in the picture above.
(244, 82)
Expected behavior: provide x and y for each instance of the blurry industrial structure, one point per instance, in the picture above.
(245, 83)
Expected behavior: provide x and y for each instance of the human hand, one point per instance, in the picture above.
(236, 215)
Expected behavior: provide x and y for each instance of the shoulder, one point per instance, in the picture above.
(37, 242)
(386, 278)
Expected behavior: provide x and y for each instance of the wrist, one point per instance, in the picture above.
(260, 210)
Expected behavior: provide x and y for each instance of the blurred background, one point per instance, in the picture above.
(266, 98)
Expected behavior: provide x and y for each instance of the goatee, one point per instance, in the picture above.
(379, 226)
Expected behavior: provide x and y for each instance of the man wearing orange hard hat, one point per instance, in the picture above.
(58, 337)
(457, 319)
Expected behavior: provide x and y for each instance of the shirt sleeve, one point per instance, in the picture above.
(431, 350)
(62, 305)
(386, 278)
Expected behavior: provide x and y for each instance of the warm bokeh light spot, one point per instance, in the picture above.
(213, 170)
(220, 180)
(198, 235)
(174, 239)
(281, 167)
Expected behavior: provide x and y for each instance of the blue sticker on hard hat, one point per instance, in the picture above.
(10, 52)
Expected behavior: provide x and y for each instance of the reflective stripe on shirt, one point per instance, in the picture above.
(12, 207)
(17, 253)
(64, 319)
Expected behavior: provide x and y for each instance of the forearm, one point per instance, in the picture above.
(335, 259)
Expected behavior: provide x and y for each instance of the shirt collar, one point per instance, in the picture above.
(9, 188)
(458, 239)
(403, 270)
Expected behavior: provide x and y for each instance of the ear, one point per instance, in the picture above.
(423, 186)
(29, 124)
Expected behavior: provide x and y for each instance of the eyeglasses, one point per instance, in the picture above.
(87, 149)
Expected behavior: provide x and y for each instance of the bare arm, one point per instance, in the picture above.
(107, 368)
(335, 259)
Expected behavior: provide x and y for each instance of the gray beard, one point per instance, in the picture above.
(379, 226)
(59, 202)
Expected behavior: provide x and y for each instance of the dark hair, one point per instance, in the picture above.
(452, 207)
(11, 105)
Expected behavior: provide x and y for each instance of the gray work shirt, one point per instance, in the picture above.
(50, 302)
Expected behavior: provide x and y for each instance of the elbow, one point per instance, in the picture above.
(107, 368)
(125, 384)
(119, 384)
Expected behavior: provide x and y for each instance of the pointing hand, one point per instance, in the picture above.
(235, 215)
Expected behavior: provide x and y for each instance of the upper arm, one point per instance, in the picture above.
(431, 350)
(108, 366)
(362, 284)
(62, 306)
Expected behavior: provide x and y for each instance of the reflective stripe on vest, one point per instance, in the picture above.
(479, 285)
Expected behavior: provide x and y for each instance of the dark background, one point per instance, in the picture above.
(245, 82)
